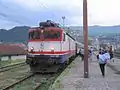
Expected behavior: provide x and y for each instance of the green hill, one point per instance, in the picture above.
(16, 34)
(19, 34)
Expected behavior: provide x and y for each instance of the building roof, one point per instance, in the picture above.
(11, 49)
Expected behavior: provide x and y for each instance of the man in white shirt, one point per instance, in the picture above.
(102, 60)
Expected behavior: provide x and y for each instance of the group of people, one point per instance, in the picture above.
(90, 53)
(104, 56)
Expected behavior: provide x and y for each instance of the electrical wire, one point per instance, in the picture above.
(8, 17)
(52, 13)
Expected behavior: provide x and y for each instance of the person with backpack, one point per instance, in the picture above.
(103, 57)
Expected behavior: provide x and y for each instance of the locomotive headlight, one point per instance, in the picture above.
(52, 48)
(31, 50)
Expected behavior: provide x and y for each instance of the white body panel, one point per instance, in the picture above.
(69, 44)
(45, 46)
(63, 49)
(58, 46)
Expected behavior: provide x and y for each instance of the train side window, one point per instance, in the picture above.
(32, 34)
(64, 37)
(36, 35)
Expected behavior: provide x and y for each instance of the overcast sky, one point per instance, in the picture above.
(31, 12)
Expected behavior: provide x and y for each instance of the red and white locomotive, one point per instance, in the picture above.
(49, 45)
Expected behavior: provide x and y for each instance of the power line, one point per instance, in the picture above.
(44, 5)
(3, 4)
(8, 17)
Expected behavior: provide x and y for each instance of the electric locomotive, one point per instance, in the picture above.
(49, 45)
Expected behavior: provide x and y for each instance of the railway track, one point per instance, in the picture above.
(12, 85)
(37, 86)
(40, 81)
(32, 82)
(9, 67)
(117, 55)
(13, 75)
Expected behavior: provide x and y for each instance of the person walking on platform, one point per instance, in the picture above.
(81, 53)
(100, 50)
(90, 53)
(102, 60)
(111, 53)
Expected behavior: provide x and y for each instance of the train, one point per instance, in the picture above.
(49, 45)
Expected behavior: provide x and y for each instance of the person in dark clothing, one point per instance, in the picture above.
(82, 56)
(81, 53)
(101, 64)
(99, 53)
(102, 68)
(102, 60)
(111, 53)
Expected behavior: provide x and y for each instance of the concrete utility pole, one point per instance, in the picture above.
(63, 17)
(85, 33)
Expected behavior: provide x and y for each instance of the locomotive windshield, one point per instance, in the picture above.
(44, 35)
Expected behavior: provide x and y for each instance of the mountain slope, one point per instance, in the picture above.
(20, 34)
(16, 34)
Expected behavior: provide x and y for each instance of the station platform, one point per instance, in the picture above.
(73, 77)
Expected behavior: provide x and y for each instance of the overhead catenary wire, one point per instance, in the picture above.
(52, 13)
(8, 17)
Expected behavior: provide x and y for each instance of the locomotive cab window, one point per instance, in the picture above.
(45, 35)
(31, 35)
(51, 34)
(64, 37)
(34, 35)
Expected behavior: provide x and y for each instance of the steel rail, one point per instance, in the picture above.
(6, 68)
(12, 85)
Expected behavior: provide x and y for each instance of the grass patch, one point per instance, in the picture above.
(10, 62)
